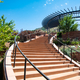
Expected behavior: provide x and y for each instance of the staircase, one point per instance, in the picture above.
(47, 59)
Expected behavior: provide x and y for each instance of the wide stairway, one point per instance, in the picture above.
(47, 59)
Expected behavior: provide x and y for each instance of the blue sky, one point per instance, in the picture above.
(28, 14)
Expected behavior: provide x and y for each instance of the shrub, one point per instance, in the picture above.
(75, 42)
(6, 30)
(56, 42)
(59, 34)
(67, 51)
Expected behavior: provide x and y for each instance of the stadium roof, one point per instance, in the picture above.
(52, 20)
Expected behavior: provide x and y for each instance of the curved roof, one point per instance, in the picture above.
(52, 20)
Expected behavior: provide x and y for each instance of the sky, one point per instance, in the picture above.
(28, 14)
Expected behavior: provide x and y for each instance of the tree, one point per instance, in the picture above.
(1, 1)
(6, 30)
(67, 24)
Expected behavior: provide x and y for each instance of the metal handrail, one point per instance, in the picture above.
(64, 46)
(26, 59)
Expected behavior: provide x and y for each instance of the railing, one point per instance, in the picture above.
(26, 59)
(64, 45)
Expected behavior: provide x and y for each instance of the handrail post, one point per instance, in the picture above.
(71, 55)
(63, 50)
(25, 70)
(13, 49)
(26, 38)
(17, 39)
(15, 56)
(48, 38)
(58, 47)
(30, 37)
(53, 41)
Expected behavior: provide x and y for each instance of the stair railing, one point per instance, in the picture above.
(26, 59)
(64, 45)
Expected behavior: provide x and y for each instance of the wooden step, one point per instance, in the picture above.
(43, 67)
(38, 59)
(33, 74)
(74, 78)
(41, 63)
(33, 53)
(30, 56)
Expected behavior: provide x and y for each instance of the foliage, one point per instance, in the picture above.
(66, 41)
(67, 51)
(59, 34)
(6, 30)
(1, 1)
(75, 42)
(11, 41)
(67, 24)
(56, 42)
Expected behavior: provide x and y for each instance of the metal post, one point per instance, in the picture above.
(25, 70)
(13, 49)
(15, 56)
(26, 38)
(59, 24)
(30, 37)
(53, 41)
(71, 55)
(47, 28)
(63, 50)
(58, 47)
(17, 39)
(48, 38)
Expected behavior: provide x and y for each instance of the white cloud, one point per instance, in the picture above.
(48, 2)
(61, 5)
(44, 4)
(65, 3)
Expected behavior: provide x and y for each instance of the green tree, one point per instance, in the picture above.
(6, 30)
(1, 1)
(67, 24)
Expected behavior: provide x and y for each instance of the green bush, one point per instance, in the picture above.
(59, 34)
(56, 42)
(67, 51)
(75, 42)
(11, 41)
(6, 30)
